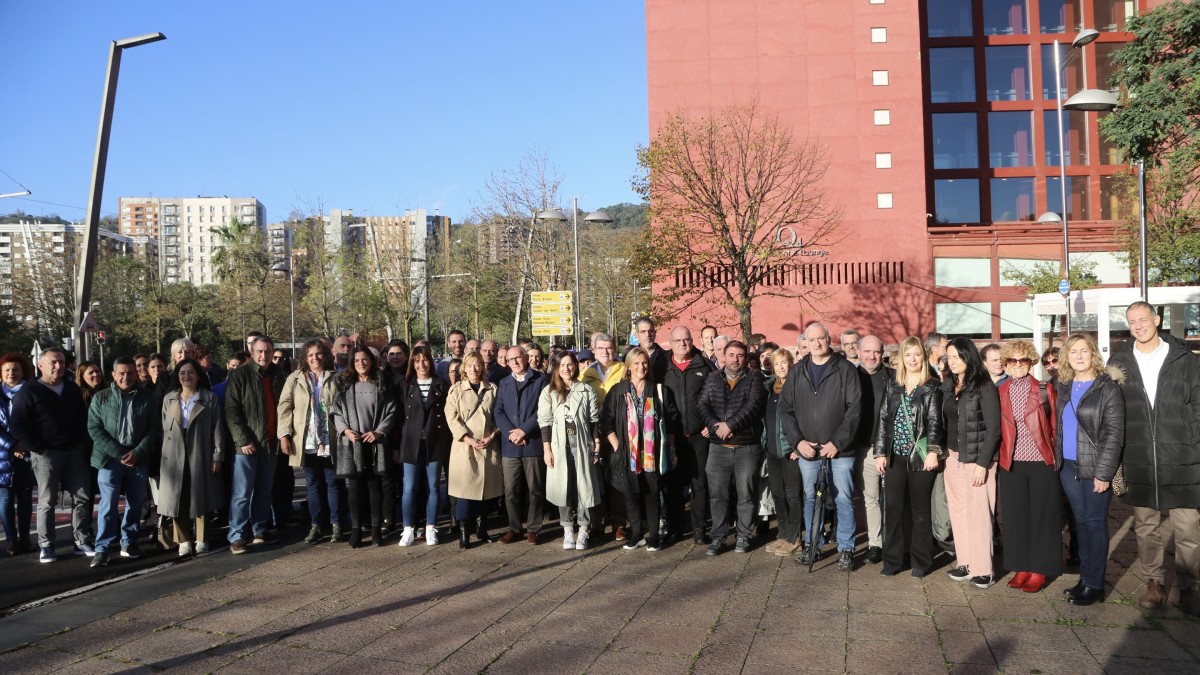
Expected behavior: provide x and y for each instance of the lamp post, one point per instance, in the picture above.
(287, 267)
(91, 233)
(556, 215)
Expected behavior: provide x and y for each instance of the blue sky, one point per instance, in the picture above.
(375, 106)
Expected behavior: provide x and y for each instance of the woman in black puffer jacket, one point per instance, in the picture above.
(1087, 446)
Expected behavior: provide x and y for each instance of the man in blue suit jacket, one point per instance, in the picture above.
(521, 446)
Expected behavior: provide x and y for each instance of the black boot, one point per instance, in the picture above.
(355, 536)
(481, 531)
(376, 536)
(464, 537)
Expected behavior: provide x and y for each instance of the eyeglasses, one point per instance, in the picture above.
(1023, 362)
(513, 360)
(1050, 362)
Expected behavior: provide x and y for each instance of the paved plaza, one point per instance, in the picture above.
(524, 609)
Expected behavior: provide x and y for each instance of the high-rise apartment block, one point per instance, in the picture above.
(184, 228)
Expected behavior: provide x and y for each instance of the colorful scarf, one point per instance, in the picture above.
(640, 419)
(318, 429)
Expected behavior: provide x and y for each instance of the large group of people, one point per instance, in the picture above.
(940, 444)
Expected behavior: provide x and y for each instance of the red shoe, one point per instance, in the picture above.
(1034, 583)
(509, 537)
(1019, 580)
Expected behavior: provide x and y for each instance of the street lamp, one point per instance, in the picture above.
(91, 233)
(287, 267)
(556, 215)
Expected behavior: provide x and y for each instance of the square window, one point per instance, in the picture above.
(878, 2)
(879, 78)
(883, 118)
(883, 160)
(878, 35)
(883, 200)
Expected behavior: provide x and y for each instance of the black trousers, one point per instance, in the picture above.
(783, 474)
(642, 508)
(692, 459)
(909, 525)
(283, 490)
(373, 483)
(1032, 524)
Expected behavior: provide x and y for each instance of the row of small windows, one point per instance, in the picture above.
(1010, 140)
(956, 18)
(1016, 199)
(814, 274)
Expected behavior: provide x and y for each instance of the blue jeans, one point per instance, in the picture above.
(250, 498)
(326, 494)
(842, 488)
(408, 495)
(112, 479)
(1091, 524)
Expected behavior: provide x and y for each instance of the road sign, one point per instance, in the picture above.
(89, 324)
(550, 296)
(543, 331)
(552, 320)
(1064, 287)
(552, 308)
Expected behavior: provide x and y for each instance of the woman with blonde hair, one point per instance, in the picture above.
(783, 472)
(1087, 446)
(569, 416)
(1032, 523)
(475, 473)
(910, 443)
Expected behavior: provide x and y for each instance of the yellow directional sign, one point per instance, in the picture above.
(552, 320)
(551, 296)
(552, 308)
(543, 331)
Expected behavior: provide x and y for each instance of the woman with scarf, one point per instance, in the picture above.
(303, 420)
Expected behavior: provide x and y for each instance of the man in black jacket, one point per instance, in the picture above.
(659, 359)
(821, 406)
(731, 407)
(49, 420)
(685, 378)
(251, 400)
(1162, 453)
(874, 378)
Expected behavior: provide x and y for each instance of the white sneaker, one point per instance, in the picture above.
(568, 538)
(408, 537)
(431, 535)
(185, 549)
(201, 547)
(581, 539)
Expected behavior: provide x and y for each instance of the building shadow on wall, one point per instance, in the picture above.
(891, 311)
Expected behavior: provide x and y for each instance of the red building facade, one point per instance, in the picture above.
(938, 118)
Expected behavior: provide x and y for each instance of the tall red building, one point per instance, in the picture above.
(938, 119)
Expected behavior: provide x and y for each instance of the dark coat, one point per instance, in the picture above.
(245, 406)
(1101, 414)
(516, 408)
(8, 444)
(1040, 419)
(686, 385)
(822, 412)
(352, 458)
(42, 420)
(660, 361)
(104, 425)
(1162, 445)
(742, 407)
(978, 430)
(612, 421)
(874, 388)
(927, 421)
(420, 420)
(495, 372)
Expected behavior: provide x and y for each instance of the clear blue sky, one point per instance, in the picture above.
(372, 105)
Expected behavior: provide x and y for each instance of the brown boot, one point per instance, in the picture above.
(1154, 595)
(1189, 601)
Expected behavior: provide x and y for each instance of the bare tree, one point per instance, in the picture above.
(724, 190)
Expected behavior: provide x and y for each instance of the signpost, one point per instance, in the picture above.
(552, 313)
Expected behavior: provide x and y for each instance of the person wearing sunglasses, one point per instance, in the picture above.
(1027, 478)
(1050, 363)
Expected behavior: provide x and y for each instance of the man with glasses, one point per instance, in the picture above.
(821, 407)
(521, 446)
(685, 378)
(602, 376)
(659, 360)
(849, 341)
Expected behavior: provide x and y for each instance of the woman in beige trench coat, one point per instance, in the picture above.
(475, 473)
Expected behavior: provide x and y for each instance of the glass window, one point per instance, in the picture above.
(952, 75)
(1057, 15)
(956, 200)
(1072, 76)
(1008, 76)
(1017, 320)
(1077, 197)
(1012, 199)
(969, 319)
(948, 18)
(1005, 17)
(962, 272)
(1074, 138)
(1114, 190)
(1111, 15)
(955, 141)
(1109, 153)
(1010, 138)
(1104, 65)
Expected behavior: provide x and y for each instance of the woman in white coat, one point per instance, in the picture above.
(569, 416)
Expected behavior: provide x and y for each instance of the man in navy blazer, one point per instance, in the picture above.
(521, 446)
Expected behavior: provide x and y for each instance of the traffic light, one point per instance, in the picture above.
(100, 336)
